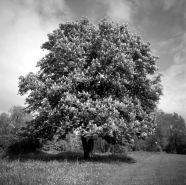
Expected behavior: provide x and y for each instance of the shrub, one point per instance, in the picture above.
(102, 146)
(149, 144)
(70, 143)
(152, 145)
(22, 146)
(6, 141)
(177, 145)
(53, 145)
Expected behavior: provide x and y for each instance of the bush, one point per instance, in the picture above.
(74, 143)
(119, 149)
(181, 147)
(177, 145)
(6, 141)
(55, 145)
(150, 144)
(102, 146)
(22, 146)
(70, 143)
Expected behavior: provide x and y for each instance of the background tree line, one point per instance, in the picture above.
(13, 120)
(170, 134)
(11, 123)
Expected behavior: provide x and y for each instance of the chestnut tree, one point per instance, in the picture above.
(95, 80)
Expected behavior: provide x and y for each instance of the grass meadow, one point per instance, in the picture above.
(139, 168)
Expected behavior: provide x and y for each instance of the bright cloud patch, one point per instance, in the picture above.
(118, 10)
(23, 30)
(169, 4)
(174, 82)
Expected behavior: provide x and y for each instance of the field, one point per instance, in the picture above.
(139, 168)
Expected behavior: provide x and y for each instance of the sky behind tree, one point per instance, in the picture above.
(25, 24)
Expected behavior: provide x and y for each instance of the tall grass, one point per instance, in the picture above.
(49, 169)
(54, 172)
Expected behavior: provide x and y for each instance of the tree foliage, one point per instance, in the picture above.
(96, 80)
(13, 120)
(4, 123)
(10, 124)
(171, 132)
(18, 117)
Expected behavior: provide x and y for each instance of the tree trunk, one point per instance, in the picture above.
(88, 145)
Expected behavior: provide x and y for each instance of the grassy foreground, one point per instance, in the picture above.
(149, 169)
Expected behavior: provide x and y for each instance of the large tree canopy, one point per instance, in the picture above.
(96, 80)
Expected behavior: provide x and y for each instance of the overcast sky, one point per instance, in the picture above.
(24, 25)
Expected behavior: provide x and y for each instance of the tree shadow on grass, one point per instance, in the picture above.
(73, 156)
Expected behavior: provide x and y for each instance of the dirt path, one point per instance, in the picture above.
(156, 169)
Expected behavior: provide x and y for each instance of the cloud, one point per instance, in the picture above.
(159, 20)
(167, 4)
(119, 10)
(45, 10)
(180, 51)
(24, 27)
(174, 82)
